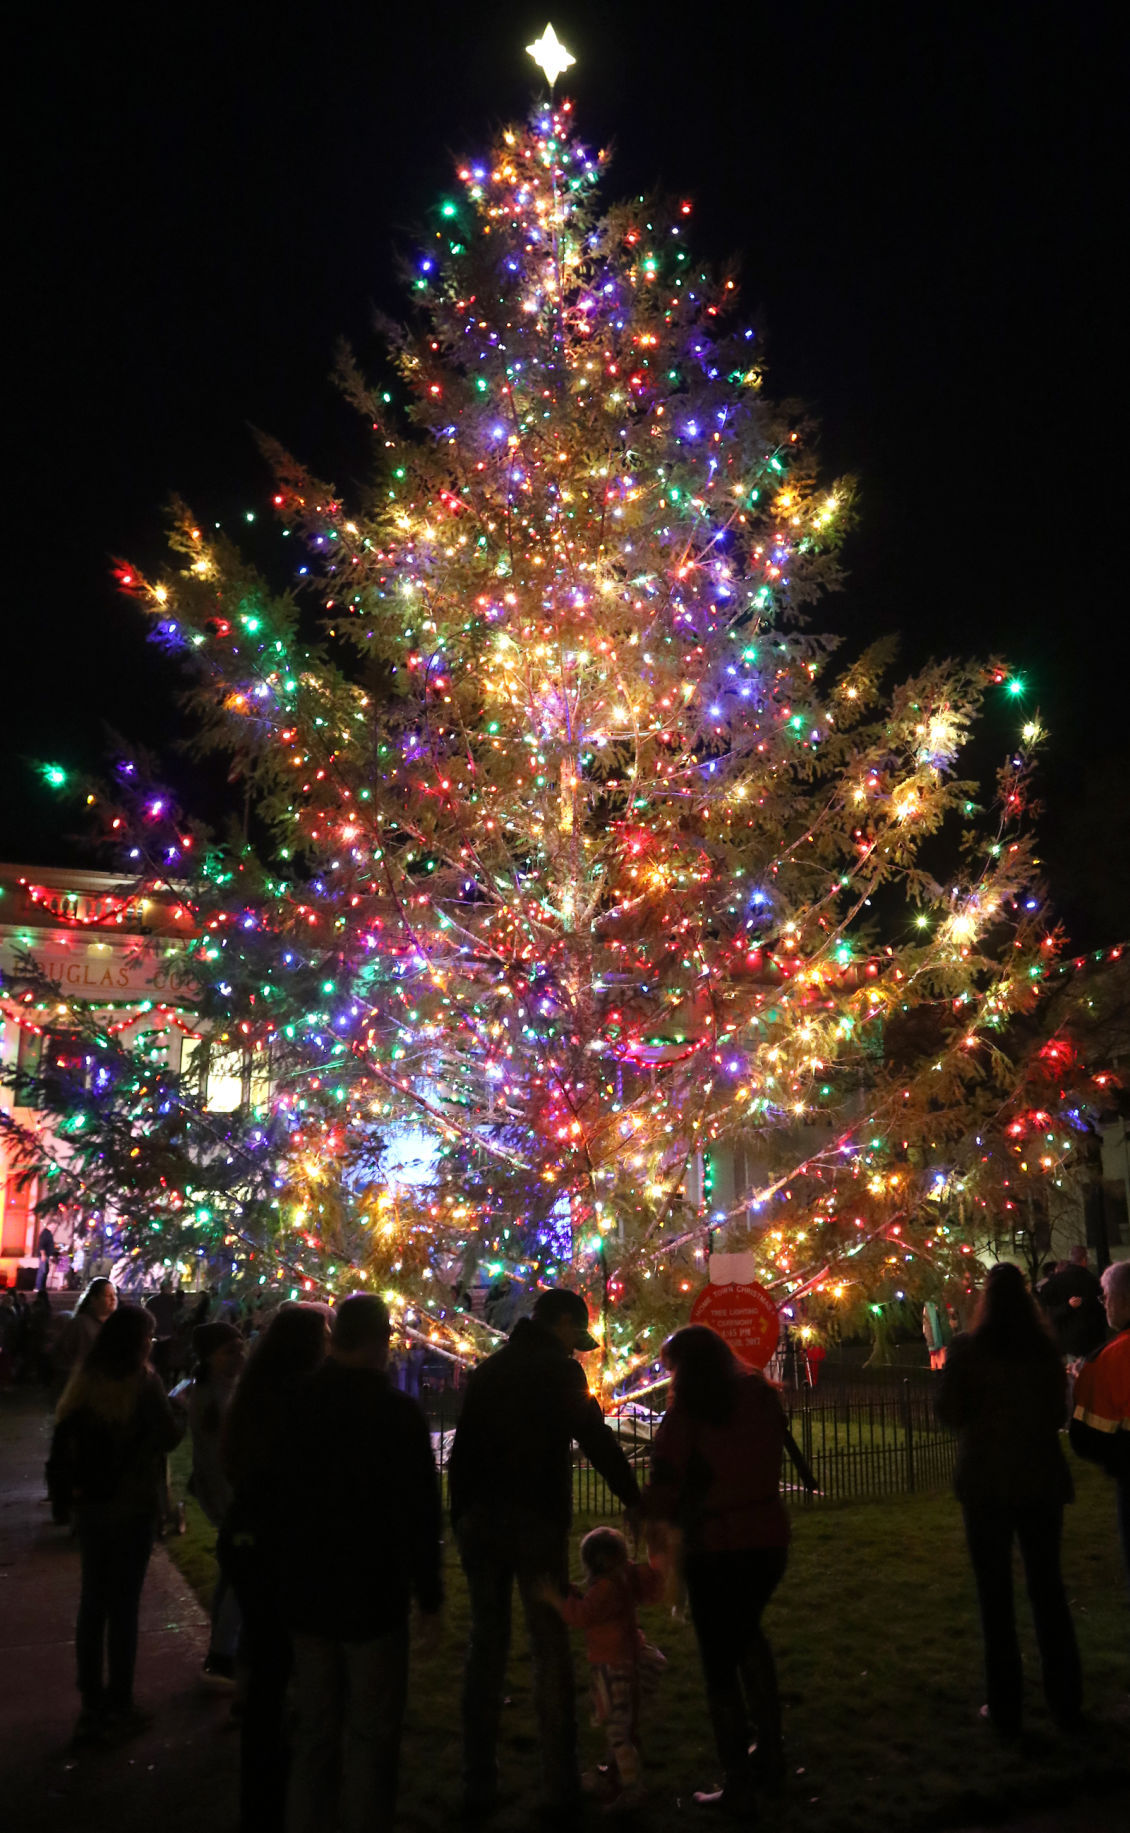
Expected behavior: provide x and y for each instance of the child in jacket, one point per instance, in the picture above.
(614, 1642)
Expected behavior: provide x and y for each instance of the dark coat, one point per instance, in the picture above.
(525, 1407)
(721, 1484)
(1008, 1412)
(361, 1519)
(1073, 1300)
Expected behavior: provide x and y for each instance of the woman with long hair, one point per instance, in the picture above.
(715, 1478)
(115, 1428)
(1004, 1391)
(79, 1333)
(254, 1452)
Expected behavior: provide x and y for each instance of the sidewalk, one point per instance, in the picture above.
(178, 1777)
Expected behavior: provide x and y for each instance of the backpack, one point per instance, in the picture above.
(86, 1463)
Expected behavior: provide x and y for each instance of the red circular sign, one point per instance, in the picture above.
(745, 1316)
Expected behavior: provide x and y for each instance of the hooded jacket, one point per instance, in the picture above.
(525, 1407)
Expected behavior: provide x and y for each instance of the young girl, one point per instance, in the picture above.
(606, 1611)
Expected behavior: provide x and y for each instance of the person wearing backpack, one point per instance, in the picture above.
(114, 1430)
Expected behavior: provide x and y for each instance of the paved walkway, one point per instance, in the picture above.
(178, 1777)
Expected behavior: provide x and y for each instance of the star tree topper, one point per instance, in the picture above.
(551, 54)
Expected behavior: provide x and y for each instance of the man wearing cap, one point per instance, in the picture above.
(511, 1489)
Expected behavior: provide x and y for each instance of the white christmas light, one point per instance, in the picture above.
(551, 55)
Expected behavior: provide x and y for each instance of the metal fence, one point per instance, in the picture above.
(867, 1434)
(870, 1439)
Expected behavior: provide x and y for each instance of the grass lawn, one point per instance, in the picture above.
(879, 1653)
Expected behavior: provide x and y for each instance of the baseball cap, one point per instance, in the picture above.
(560, 1303)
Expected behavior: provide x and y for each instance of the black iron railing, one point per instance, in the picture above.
(866, 1434)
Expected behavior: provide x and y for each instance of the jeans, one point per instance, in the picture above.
(265, 1651)
(727, 1593)
(350, 1707)
(497, 1548)
(114, 1559)
(989, 1532)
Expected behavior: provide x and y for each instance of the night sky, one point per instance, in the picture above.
(928, 200)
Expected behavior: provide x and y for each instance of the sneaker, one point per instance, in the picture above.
(1005, 1729)
(736, 1800)
(219, 1670)
(599, 1781)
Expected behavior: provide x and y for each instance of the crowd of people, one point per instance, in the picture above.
(318, 1475)
(41, 1344)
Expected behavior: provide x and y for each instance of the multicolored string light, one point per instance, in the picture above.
(592, 874)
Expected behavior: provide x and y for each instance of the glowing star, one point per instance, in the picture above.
(551, 55)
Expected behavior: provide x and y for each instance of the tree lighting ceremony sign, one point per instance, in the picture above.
(741, 1311)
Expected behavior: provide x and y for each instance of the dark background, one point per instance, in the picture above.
(929, 201)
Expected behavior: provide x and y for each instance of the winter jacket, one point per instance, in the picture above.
(720, 1483)
(524, 1408)
(607, 1613)
(1100, 1427)
(110, 1470)
(1007, 1412)
(361, 1520)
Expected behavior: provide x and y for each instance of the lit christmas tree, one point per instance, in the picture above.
(607, 918)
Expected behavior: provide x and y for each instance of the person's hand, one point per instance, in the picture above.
(429, 1632)
(659, 1536)
(546, 1592)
